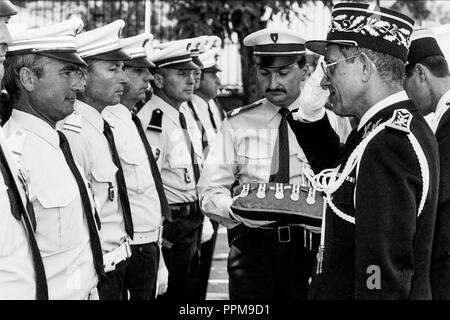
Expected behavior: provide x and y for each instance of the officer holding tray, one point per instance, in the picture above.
(268, 260)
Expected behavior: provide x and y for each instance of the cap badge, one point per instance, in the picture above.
(274, 37)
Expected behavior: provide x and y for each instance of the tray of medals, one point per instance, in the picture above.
(274, 201)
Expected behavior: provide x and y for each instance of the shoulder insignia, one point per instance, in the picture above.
(237, 111)
(73, 122)
(400, 121)
(156, 121)
(16, 142)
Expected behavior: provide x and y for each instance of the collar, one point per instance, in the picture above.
(166, 108)
(272, 110)
(392, 99)
(36, 126)
(90, 114)
(441, 108)
(200, 102)
(118, 113)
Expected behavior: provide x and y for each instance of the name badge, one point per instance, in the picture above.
(187, 177)
(111, 192)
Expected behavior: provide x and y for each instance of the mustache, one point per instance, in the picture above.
(275, 90)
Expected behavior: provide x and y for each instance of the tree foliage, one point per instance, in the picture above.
(224, 18)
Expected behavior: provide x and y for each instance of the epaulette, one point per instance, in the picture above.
(237, 111)
(73, 122)
(400, 121)
(156, 121)
(16, 142)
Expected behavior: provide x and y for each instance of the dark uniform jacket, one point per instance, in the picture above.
(388, 241)
(440, 263)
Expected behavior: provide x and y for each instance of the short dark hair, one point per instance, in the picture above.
(437, 65)
(390, 69)
(13, 64)
(302, 62)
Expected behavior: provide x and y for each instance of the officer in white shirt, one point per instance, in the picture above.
(210, 117)
(176, 141)
(268, 259)
(146, 200)
(22, 274)
(204, 96)
(91, 140)
(43, 80)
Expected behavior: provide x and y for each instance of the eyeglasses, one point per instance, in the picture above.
(326, 66)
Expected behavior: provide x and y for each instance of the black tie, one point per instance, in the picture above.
(189, 143)
(96, 246)
(18, 210)
(283, 140)
(211, 117)
(200, 126)
(165, 209)
(222, 112)
(123, 195)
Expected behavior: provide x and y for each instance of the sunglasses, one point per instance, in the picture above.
(326, 66)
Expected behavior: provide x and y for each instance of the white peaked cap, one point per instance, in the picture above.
(56, 41)
(103, 43)
(135, 47)
(213, 42)
(209, 60)
(172, 55)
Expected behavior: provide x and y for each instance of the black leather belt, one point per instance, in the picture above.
(185, 209)
(283, 233)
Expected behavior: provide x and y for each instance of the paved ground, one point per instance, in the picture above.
(218, 279)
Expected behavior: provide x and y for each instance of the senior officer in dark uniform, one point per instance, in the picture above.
(256, 145)
(378, 229)
(176, 140)
(148, 202)
(428, 85)
(22, 274)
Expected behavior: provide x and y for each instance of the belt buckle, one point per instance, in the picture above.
(284, 234)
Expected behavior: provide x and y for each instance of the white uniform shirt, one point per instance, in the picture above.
(243, 151)
(17, 275)
(61, 228)
(201, 106)
(90, 148)
(174, 158)
(144, 199)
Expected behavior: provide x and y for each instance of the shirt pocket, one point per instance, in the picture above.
(103, 187)
(255, 161)
(180, 168)
(136, 168)
(59, 219)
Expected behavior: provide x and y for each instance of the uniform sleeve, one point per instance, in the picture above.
(313, 97)
(319, 142)
(388, 190)
(218, 177)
